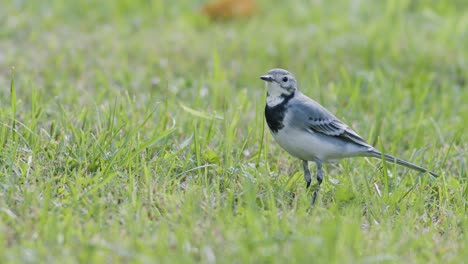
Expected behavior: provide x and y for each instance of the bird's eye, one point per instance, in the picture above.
(285, 79)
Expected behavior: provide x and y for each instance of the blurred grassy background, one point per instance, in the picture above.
(134, 131)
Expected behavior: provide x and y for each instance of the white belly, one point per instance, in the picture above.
(311, 146)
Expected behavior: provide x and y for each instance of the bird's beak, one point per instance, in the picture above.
(266, 78)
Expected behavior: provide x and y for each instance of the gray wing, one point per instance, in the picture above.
(310, 115)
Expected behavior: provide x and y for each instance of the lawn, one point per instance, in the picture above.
(133, 132)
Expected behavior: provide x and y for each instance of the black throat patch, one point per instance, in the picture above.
(274, 115)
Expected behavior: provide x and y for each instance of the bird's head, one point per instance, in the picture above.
(279, 83)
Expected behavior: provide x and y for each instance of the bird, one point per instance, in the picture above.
(308, 131)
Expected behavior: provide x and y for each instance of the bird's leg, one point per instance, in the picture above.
(319, 180)
(307, 176)
(319, 172)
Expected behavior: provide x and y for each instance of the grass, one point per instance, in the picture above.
(133, 131)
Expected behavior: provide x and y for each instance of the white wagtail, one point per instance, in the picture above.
(308, 131)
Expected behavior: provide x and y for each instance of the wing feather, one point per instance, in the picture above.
(314, 117)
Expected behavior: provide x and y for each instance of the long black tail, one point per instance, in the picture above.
(376, 154)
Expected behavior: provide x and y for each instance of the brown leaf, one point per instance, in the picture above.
(228, 9)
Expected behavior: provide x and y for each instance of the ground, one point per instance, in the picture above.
(133, 131)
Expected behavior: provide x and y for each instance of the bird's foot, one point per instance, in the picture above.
(315, 188)
(314, 197)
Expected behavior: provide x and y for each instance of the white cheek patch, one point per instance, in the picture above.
(274, 89)
(273, 101)
(275, 94)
